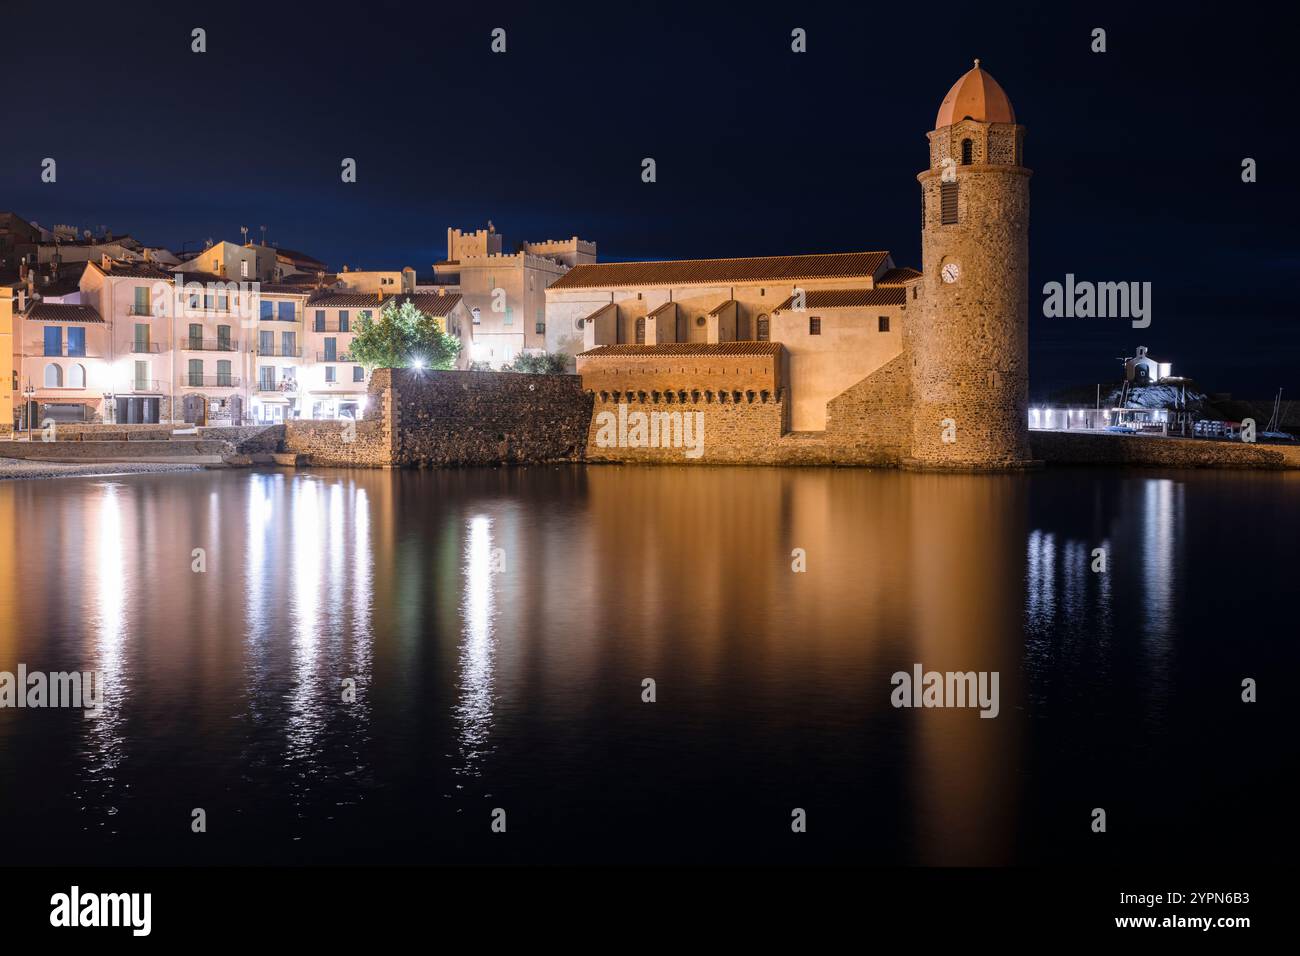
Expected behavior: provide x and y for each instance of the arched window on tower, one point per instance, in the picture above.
(764, 328)
(967, 152)
(640, 331)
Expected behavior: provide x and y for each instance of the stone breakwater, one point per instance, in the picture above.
(1076, 448)
(423, 419)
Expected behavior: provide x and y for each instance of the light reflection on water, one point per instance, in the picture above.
(474, 699)
(522, 686)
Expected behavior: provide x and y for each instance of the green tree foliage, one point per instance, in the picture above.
(401, 337)
(550, 363)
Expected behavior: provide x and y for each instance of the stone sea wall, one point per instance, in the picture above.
(419, 419)
(1110, 448)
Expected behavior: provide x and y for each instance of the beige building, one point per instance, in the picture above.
(505, 293)
(229, 260)
(841, 358)
(840, 316)
(332, 384)
(385, 281)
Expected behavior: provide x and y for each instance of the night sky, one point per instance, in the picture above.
(1136, 152)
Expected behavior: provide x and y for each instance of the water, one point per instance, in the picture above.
(498, 625)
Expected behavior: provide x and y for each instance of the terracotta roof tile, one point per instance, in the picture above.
(898, 276)
(282, 288)
(692, 271)
(430, 303)
(59, 312)
(686, 348)
(134, 270)
(848, 298)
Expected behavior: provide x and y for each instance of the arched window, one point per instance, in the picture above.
(764, 328)
(967, 152)
(53, 376)
(77, 376)
(640, 331)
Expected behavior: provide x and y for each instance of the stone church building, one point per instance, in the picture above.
(841, 358)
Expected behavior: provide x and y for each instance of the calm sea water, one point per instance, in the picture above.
(498, 625)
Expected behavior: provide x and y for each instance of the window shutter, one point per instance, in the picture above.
(948, 203)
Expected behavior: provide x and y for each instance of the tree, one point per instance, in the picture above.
(402, 337)
(548, 363)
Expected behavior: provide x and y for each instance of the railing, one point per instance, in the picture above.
(145, 348)
(336, 357)
(270, 385)
(209, 381)
(332, 326)
(281, 352)
(144, 385)
(188, 344)
(66, 352)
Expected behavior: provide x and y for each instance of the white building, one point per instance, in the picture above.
(1143, 370)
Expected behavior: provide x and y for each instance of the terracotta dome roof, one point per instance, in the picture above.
(975, 96)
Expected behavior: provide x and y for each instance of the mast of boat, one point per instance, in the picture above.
(1273, 423)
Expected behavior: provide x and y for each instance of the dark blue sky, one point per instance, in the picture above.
(760, 151)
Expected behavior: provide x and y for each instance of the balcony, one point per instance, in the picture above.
(284, 385)
(67, 351)
(145, 348)
(188, 344)
(334, 357)
(209, 381)
(142, 386)
(281, 352)
(332, 327)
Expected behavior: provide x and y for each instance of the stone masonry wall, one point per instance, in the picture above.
(1075, 448)
(363, 444)
(487, 418)
(747, 433)
(430, 419)
(871, 422)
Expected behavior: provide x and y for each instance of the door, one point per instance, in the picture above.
(194, 408)
(236, 410)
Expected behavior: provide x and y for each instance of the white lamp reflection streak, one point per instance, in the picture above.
(474, 703)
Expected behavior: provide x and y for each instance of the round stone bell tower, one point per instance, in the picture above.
(970, 382)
